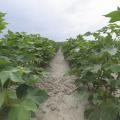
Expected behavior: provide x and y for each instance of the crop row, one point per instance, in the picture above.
(95, 59)
(23, 58)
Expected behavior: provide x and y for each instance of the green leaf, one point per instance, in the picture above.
(106, 111)
(19, 113)
(115, 16)
(109, 111)
(115, 68)
(93, 114)
(15, 77)
(6, 95)
(96, 99)
(2, 22)
(29, 105)
(11, 94)
(82, 94)
(22, 110)
(2, 98)
(96, 68)
(4, 60)
(87, 34)
(4, 76)
(111, 51)
(37, 95)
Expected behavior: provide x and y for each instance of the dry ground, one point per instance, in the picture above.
(63, 103)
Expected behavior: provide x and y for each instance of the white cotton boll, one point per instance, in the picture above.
(91, 37)
(31, 43)
(77, 49)
(113, 36)
(109, 31)
(103, 34)
(50, 46)
(114, 75)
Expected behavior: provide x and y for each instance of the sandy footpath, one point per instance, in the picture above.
(63, 103)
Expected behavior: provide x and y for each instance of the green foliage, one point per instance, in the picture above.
(23, 58)
(2, 22)
(115, 15)
(97, 65)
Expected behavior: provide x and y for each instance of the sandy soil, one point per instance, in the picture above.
(63, 103)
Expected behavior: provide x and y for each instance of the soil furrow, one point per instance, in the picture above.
(62, 104)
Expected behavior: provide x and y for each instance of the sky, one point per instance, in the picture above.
(57, 19)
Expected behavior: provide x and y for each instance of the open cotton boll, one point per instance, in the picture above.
(91, 37)
(109, 31)
(77, 49)
(113, 36)
(50, 46)
(114, 75)
(103, 34)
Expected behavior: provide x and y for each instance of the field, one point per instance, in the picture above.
(73, 80)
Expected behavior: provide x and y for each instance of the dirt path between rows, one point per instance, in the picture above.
(63, 103)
